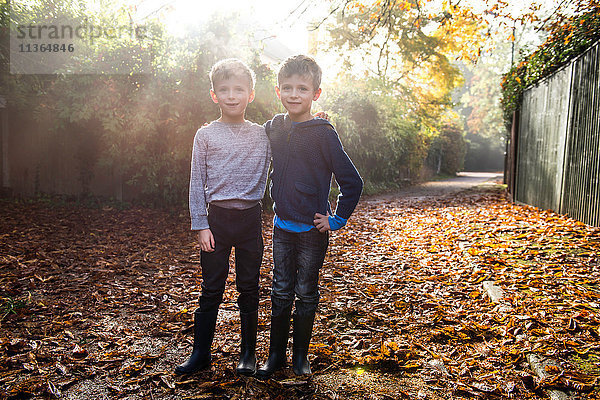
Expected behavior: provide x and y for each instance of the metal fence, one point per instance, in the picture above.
(558, 152)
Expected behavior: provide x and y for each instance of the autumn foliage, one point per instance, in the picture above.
(568, 37)
(98, 302)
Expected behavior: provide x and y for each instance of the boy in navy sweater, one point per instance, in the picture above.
(305, 154)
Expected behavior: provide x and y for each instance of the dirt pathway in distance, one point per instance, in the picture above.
(463, 181)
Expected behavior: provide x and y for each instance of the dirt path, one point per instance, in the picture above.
(463, 181)
(361, 383)
(97, 303)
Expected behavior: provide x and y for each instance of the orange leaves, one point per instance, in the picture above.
(133, 367)
(392, 355)
(473, 251)
(358, 6)
(389, 348)
(372, 290)
(401, 290)
(79, 352)
(448, 248)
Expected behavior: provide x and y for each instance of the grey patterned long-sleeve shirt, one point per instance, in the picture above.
(230, 164)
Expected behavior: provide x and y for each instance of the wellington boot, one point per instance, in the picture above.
(247, 364)
(204, 331)
(280, 331)
(303, 326)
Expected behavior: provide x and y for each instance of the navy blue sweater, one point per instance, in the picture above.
(304, 158)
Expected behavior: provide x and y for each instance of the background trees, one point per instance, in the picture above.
(135, 129)
(569, 33)
(407, 98)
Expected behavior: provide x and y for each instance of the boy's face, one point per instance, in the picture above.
(233, 96)
(297, 93)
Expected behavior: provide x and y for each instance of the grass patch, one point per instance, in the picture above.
(588, 363)
(492, 187)
(9, 305)
(373, 188)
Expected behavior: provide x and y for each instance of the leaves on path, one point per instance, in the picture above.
(98, 302)
(412, 294)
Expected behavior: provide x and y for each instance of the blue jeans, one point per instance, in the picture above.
(298, 258)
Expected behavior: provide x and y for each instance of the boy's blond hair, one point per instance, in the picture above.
(301, 65)
(228, 68)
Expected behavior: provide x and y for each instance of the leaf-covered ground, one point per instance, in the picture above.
(96, 303)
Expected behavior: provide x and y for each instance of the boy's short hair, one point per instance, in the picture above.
(301, 65)
(228, 68)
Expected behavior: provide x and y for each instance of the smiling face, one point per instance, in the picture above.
(297, 93)
(232, 94)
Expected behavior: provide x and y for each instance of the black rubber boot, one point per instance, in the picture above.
(204, 331)
(280, 331)
(303, 326)
(247, 364)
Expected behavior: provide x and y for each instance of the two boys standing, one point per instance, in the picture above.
(230, 162)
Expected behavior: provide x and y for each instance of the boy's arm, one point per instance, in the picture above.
(329, 222)
(321, 114)
(198, 211)
(267, 125)
(197, 200)
(347, 177)
(280, 117)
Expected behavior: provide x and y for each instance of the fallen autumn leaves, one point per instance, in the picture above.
(96, 303)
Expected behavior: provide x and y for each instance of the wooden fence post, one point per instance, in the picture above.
(4, 160)
(512, 155)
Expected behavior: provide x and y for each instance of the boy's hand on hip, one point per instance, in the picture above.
(207, 240)
(322, 222)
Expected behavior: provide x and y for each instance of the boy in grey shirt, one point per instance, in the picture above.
(230, 163)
